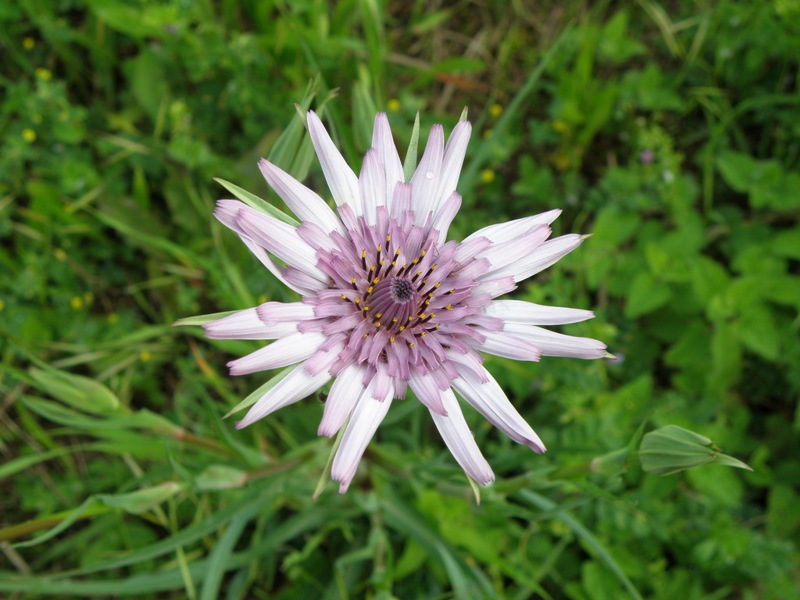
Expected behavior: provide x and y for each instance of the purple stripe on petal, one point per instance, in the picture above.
(458, 438)
(341, 179)
(366, 418)
(344, 394)
(286, 351)
(488, 398)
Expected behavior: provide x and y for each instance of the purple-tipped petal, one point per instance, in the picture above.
(342, 182)
(501, 343)
(282, 240)
(298, 384)
(558, 344)
(307, 205)
(528, 313)
(345, 392)
(246, 325)
(425, 181)
(488, 398)
(445, 216)
(383, 142)
(425, 389)
(366, 418)
(372, 185)
(453, 160)
(545, 255)
(503, 232)
(286, 351)
(456, 434)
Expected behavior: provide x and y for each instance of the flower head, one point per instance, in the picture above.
(388, 303)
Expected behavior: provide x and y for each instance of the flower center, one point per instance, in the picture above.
(401, 290)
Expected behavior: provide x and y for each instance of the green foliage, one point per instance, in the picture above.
(669, 132)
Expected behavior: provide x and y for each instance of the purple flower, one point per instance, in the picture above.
(388, 303)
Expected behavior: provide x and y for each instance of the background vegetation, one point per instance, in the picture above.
(669, 131)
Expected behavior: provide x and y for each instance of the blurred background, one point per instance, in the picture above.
(668, 130)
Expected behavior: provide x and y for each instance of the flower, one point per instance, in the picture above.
(388, 303)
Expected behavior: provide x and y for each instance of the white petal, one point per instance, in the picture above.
(489, 399)
(456, 434)
(298, 384)
(342, 182)
(425, 181)
(226, 211)
(517, 311)
(247, 325)
(446, 215)
(501, 343)
(383, 142)
(545, 255)
(452, 162)
(426, 391)
(302, 201)
(372, 185)
(364, 421)
(401, 201)
(501, 232)
(557, 344)
(345, 392)
(503, 254)
(278, 312)
(496, 287)
(282, 240)
(286, 351)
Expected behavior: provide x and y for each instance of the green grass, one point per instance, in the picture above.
(667, 130)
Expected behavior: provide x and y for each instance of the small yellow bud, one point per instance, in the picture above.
(487, 175)
(393, 105)
(29, 135)
(495, 110)
(76, 303)
(28, 43)
(43, 74)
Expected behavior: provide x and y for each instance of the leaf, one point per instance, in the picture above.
(257, 203)
(671, 449)
(78, 391)
(584, 534)
(410, 163)
(202, 319)
(23, 462)
(736, 169)
(254, 396)
(141, 500)
(220, 477)
(646, 295)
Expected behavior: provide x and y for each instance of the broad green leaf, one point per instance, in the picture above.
(646, 295)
